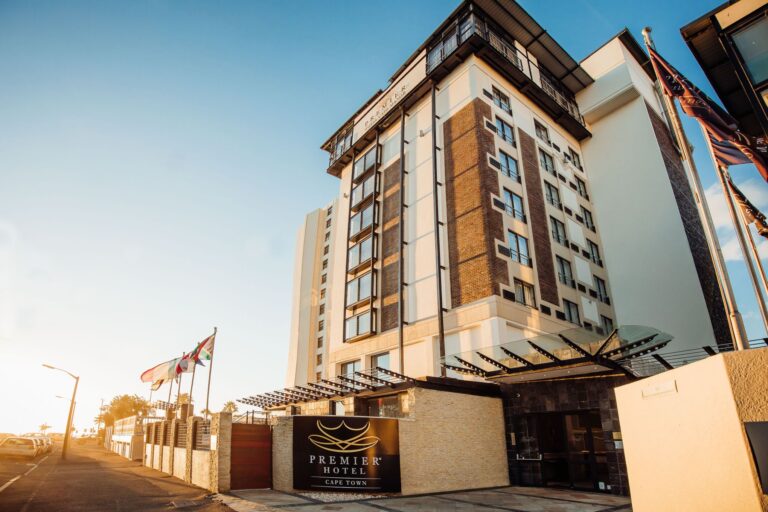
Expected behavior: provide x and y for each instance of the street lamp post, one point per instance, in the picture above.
(71, 409)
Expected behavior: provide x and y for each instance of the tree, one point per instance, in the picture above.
(183, 398)
(123, 406)
(230, 406)
(44, 427)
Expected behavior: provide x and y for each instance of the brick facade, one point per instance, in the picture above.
(694, 231)
(390, 245)
(473, 225)
(571, 395)
(539, 220)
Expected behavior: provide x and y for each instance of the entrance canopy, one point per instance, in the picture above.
(630, 349)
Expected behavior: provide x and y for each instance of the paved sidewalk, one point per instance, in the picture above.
(513, 499)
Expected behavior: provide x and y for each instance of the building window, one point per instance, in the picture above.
(360, 289)
(325, 264)
(524, 294)
(321, 309)
(362, 220)
(602, 289)
(509, 166)
(513, 204)
(575, 158)
(320, 325)
(364, 164)
(325, 250)
(349, 368)
(552, 194)
(363, 191)
(501, 100)
(324, 278)
(541, 132)
(359, 325)
(571, 312)
(547, 162)
(380, 361)
(752, 43)
(319, 359)
(518, 248)
(328, 223)
(558, 231)
(588, 220)
(564, 272)
(327, 235)
(581, 188)
(322, 293)
(329, 211)
(385, 407)
(594, 253)
(606, 324)
(361, 253)
(504, 131)
(318, 376)
(319, 342)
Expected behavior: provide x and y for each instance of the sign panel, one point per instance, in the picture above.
(346, 453)
(399, 89)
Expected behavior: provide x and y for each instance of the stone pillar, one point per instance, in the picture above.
(172, 447)
(161, 445)
(221, 451)
(191, 429)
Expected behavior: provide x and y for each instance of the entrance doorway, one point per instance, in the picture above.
(571, 448)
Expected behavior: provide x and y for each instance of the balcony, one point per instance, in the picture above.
(472, 34)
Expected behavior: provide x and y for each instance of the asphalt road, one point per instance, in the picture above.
(91, 479)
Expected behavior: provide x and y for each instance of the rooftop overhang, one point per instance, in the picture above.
(703, 37)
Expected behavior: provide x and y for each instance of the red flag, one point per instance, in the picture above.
(719, 124)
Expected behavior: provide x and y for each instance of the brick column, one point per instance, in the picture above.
(172, 447)
(191, 428)
(221, 451)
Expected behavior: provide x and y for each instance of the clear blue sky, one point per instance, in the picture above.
(157, 158)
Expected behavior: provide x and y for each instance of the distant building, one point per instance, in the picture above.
(731, 45)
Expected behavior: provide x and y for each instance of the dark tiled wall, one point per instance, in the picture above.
(390, 244)
(473, 225)
(565, 396)
(694, 230)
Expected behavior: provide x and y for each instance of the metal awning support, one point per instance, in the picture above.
(471, 366)
(543, 352)
(314, 392)
(400, 376)
(356, 382)
(343, 387)
(329, 390)
(371, 378)
(575, 347)
(516, 357)
(460, 369)
(629, 346)
(663, 362)
(493, 362)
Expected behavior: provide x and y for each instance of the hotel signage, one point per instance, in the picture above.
(390, 98)
(346, 453)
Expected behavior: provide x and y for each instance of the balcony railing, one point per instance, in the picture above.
(473, 25)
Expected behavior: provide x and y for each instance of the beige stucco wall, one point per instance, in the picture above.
(449, 441)
(201, 468)
(179, 462)
(684, 441)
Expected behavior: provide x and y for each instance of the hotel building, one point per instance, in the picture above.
(496, 192)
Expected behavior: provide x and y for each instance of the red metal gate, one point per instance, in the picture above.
(251, 456)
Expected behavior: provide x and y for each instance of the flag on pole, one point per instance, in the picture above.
(719, 124)
(751, 214)
(158, 372)
(203, 350)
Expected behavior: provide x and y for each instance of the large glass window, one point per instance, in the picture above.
(552, 194)
(581, 188)
(547, 162)
(518, 248)
(564, 272)
(606, 324)
(360, 289)
(385, 407)
(359, 325)
(752, 43)
(349, 368)
(363, 191)
(380, 361)
(541, 131)
(558, 231)
(504, 130)
(501, 100)
(509, 166)
(575, 158)
(524, 294)
(594, 253)
(602, 289)
(513, 204)
(362, 220)
(571, 311)
(364, 163)
(588, 220)
(362, 252)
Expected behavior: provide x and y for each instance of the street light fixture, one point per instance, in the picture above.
(71, 408)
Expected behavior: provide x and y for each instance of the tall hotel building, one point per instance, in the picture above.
(499, 191)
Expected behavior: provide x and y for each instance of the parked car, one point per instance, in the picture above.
(19, 447)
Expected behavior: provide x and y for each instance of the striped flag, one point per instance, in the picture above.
(751, 214)
(203, 350)
(719, 124)
(158, 372)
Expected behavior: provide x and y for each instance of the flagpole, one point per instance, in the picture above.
(189, 408)
(736, 322)
(168, 403)
(755, 254)
(736, 220)
(178, 388)
(210, 370)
